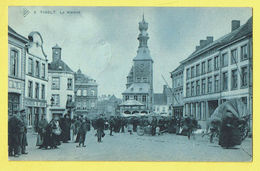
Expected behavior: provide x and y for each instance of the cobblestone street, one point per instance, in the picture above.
(125, 147)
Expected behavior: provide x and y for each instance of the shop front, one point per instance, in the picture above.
(35, 109)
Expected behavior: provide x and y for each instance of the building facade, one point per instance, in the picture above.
(217, 71)
(177, 87)
(16, 70)
(60, 95)
(35, 79)
(163, 102)
(109, 105)
(86, 92)
(139, 85)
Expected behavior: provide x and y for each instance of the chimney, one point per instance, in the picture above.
(209, 39)
(56, 53)
(235, 24)
(203, 43)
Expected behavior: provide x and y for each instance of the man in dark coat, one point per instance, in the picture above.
(13, 131)
(82, 132)
(42, 131)
(22, 132)
(65, 126)
(154, 125)
(100, 128)
(111, 125)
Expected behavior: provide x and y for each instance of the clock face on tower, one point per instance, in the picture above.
(142, 69)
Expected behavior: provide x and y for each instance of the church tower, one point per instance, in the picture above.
(140, 77)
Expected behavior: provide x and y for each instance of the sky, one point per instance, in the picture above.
(102, 41)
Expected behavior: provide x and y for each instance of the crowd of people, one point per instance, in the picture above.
(63, 129)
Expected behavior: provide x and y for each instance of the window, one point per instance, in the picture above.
(244, 79)
(192, 89)
(30, 89)
(126, 98)
(197, 69)
(225, 81)
(234, 78)
(192, 72)
(37, 69)
(210, 65)
(198, 87)
(144, 98)
(135, 98)
(55, 83)
(85, 92)
(69, 97)
(216, 84)
(92, 92)
(37, 90)
(209, 84)
(56, 98)
(138, 80)
(43, 70)
(43, 92)
(30, 66)
(69, 84)
(43, 111)
(203, 67)
(224, 60)
(14, 63)
(234, 56)
(144, 80)
(163, 110)
(187, 89)
(78, 92)
(216, 62)
(203, 86)
(244, 52)
(29, 116)
(187, 73)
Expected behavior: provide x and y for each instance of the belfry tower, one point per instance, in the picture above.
(140, 78)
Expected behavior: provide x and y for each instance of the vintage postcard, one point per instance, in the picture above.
(130, 83)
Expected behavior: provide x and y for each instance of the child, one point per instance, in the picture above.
(82, 133)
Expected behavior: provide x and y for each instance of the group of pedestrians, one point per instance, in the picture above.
(17, 130)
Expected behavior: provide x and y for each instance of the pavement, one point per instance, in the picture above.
(126, 147)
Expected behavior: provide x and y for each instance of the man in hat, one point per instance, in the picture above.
(22, 132)
(13, 132)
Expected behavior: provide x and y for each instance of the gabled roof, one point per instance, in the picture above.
(243, 30)
(59, 65)
(160, 99)
(136, 88)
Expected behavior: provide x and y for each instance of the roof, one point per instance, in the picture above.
(56, 47)
(243, 30)
(179, 68)
(143, 53)
(136, 88)
(14, 33)
(59, 65)
(83, 78)
(160, 99)
(131, 103)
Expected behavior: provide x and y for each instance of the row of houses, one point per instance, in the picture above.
(42, 87)
(215, 72)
